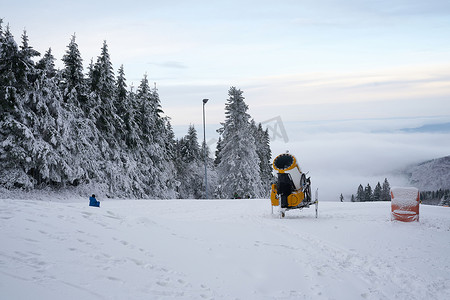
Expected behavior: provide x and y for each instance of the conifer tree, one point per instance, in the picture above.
(145, 117)
(190, 166)
(73, 83)
(360, 195)
(104, 91)
(103, 76)
(27, 66)
(239, 167)
(190, 151)
(264, 154)
(130, 119)
(121, 93)
(9, 64)
(377, 192)
(50, 166)
(385, 191)
(47, 64)
(17, 121)
(157, 168)
(368, 193)
(164, 137)
(170, 142)
(90, 76)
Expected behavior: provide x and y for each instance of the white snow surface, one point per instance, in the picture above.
(220, 249)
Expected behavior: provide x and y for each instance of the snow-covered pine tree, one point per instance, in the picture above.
(262, 140)
(43, 109)
(47, 64)
(190, 168)
(109, 123)
(164, 138)
(377, 192)
(130, 119)
(80, 141)
(145, 114)
(9, 64)
(125, 106)
(104, 89)
(121, 99)
(360, 195)
(103, 76)
(73, 83)
(27, 66)
(190, 151)
(368, 194)
(32, 129)
(157, 170)
(170, 144)
(17, 70)
(239, 167)
(17, 121)
(385, 191)
(89, 81)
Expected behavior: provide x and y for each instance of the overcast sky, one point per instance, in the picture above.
(386, 61)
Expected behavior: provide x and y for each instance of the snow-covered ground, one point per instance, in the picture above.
(220, 249)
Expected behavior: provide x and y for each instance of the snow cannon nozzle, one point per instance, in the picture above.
(284, 162)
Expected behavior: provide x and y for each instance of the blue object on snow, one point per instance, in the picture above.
(93, 201)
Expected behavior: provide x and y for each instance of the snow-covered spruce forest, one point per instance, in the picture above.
(85, 130)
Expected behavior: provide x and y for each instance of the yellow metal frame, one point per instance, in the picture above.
(274, 196)
(295, 198)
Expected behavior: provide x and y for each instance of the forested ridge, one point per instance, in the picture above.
(80, 128)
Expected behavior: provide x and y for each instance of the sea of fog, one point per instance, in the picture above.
(341, 154)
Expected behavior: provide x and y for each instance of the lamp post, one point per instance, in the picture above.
(204, 148)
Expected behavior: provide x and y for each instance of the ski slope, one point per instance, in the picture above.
(220, 249)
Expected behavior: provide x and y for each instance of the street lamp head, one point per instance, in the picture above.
(205, 100)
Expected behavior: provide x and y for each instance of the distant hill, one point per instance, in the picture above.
(431, 175)
(436, 128)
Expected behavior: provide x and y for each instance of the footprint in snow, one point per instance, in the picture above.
(162, 283)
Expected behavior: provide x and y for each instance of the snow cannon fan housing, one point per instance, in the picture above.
(287, 164)
(292, 187)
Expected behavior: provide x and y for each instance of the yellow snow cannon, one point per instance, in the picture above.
(293, 189)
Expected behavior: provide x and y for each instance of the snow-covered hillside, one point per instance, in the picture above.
(431, 175)
(220, 249)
